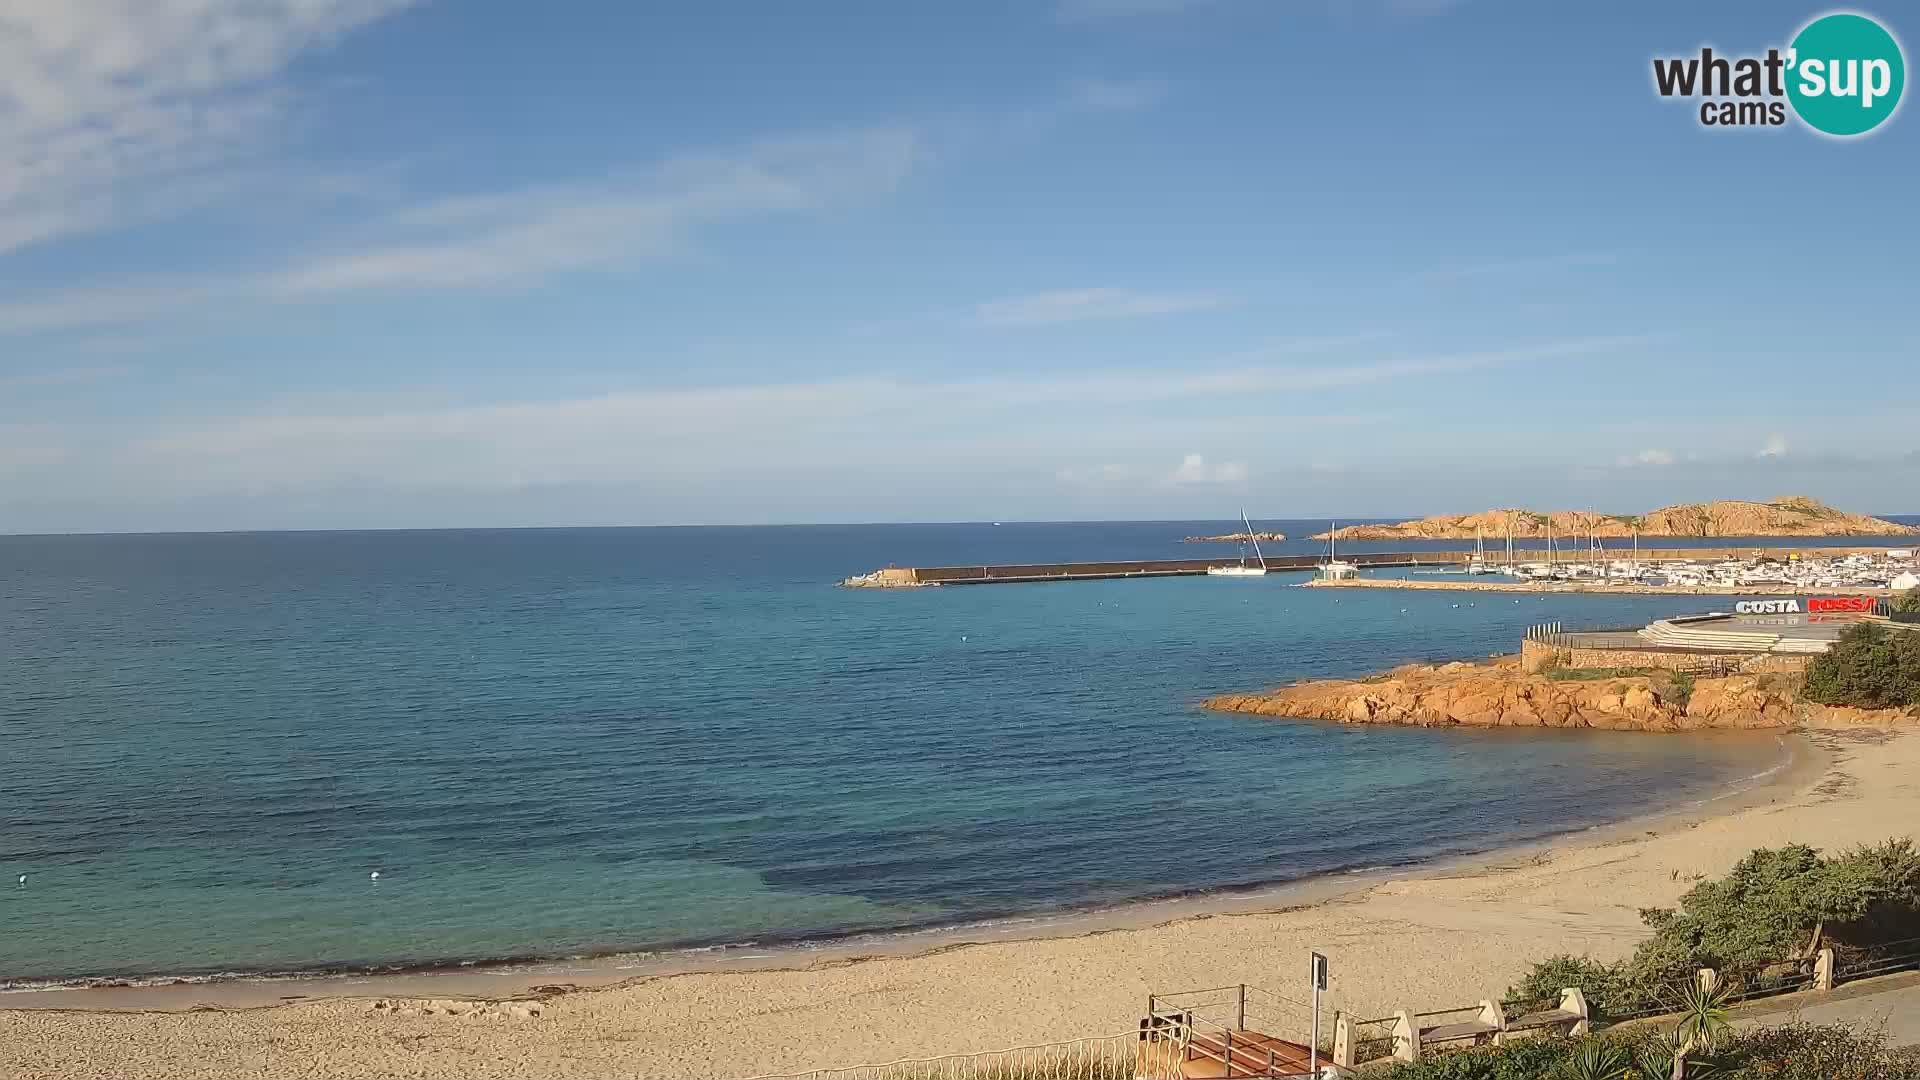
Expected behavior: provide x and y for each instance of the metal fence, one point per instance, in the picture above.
(1136, 1055)
(1883, 959)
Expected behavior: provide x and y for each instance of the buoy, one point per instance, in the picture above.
(375, 876)
(23, 879)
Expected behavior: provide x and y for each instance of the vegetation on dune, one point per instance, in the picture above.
(1869, 667)
(1762, 923)
(1793, 1051)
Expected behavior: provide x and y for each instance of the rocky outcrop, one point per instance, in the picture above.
(1501, 695)
(1792, 516)
(1271, 537)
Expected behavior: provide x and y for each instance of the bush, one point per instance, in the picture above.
(1796, 1051)
(1870, 667)
(1907, 602)
(1776, 906)
(1799, 1051)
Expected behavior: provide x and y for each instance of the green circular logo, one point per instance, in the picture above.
(1845, 74)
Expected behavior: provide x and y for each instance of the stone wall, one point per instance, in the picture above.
(1536, 655)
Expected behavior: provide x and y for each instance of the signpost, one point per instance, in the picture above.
(1319, 984)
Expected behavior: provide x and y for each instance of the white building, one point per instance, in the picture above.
(1906, 580)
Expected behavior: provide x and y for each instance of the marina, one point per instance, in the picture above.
(1678, 570)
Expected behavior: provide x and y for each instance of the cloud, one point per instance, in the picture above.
(622, 434)
(1654, 458)
(1194, 470)
(1093, 10)
(109, 107)
(1079, 305)
(1775, 448)
(492, 239)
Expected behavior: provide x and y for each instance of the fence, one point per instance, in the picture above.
(1883, 959)
(1239, 1031)
(1141, 1055)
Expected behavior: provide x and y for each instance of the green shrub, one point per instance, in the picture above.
(1680, 689)
(1869, 667)
(1795, 1051)
(1908, 601)
(1775, 906)
(1800, 1051)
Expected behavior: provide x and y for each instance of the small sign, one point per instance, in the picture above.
(1319, 972)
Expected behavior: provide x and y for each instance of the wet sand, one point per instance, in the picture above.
(1434, 938)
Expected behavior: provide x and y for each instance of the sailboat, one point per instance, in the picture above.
(1333, 569)
(1479, 564)
(1243, 570)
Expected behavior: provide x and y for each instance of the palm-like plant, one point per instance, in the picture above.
(1597, 1060)
(1654, 1057)
(1703, 1026)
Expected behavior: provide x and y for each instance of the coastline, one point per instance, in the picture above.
(1427, 937)
(522, 976)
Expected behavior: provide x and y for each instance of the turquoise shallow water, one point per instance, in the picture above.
(567, 742)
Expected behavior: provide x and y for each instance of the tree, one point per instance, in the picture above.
(1869, 667)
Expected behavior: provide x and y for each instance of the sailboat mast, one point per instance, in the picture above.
(1255, 539)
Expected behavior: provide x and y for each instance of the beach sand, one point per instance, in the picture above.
(1430, 939)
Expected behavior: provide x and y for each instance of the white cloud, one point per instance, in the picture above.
(1079, 305)
(1775, 447)
(1194, 470)
(111, 106)
(486, 240)
(622, 436)
(490, 239)
(1655, 458)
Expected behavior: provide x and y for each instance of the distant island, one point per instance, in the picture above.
(1239, 537)
(1792, 516)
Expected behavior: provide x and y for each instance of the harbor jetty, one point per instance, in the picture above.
(907, 577)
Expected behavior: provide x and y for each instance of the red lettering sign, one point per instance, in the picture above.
(1840, 603)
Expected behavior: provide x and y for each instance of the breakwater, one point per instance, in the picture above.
(903, 577)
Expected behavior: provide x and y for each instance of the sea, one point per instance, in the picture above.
(557, 743)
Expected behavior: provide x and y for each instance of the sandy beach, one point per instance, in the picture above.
(1435, 938)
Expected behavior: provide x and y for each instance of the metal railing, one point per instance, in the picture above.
(1236, 1028)
(1137, 1055)
(1885, 958)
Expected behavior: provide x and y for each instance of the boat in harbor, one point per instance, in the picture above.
(1242, 569)
(1334, 569)
(1479, 564)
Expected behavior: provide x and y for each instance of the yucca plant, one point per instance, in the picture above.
(1597, 1059)
(1702, 1028)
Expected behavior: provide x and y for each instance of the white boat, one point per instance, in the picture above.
(1333, 569)
(1479, 564)
(1243, 570)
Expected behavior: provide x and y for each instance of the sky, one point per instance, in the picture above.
(377, 263)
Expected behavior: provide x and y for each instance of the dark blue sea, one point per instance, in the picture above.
(558, 743)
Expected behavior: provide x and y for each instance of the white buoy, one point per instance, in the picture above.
(375, 876)
(23, 879)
